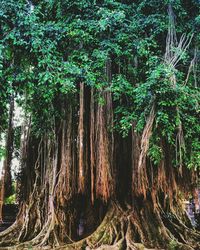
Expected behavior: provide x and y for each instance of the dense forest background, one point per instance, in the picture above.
(109, 141)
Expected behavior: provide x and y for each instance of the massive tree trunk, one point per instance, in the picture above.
(73, 196)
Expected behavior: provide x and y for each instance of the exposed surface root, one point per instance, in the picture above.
(121, 229)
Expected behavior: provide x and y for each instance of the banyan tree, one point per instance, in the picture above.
(109, 145)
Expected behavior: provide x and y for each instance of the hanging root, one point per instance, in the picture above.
(81, 163)
(140, 177)
(174, 52)
(104, 150)
(174, 49)
(145, 139)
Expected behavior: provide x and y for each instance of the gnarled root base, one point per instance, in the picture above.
(123, 229)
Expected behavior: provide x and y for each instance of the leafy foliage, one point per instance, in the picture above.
(49, 47)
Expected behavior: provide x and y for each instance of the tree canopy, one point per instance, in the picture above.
(48, 47)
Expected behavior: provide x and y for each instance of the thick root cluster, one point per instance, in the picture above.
(121, 229)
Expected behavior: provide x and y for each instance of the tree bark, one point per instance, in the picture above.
(55, 213)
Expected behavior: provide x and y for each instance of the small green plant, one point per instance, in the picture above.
(11, 199)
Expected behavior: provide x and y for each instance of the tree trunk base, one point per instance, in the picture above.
(121, 229)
